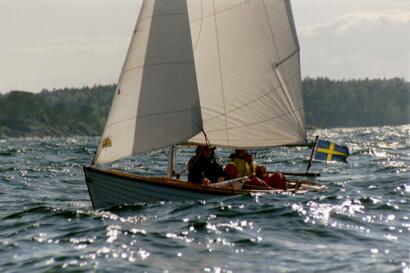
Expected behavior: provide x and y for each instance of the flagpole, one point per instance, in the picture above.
(311, 155)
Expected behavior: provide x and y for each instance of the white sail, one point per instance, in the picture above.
(248, 71)
(157, 102)
(229, 67)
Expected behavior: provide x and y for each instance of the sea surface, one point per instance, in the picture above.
(361, 224)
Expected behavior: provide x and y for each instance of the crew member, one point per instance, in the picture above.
(204, 168)
(241, 164)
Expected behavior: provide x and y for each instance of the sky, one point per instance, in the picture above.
(46, 44)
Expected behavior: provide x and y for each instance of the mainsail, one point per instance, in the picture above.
(228, 67)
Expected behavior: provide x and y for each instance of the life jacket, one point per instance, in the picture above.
(240, 168)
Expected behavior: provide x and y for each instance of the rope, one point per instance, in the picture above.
(206, 138)
(220, 75)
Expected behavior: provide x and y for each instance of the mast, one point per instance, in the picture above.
(171, 161)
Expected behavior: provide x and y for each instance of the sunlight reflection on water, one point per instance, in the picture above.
(361, 222)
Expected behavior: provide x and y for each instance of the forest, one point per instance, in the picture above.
(356, 103)
(82, 111)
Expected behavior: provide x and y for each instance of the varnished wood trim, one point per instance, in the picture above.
(177, 183)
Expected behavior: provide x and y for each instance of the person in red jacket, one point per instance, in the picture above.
(277, 180)
(242, 164)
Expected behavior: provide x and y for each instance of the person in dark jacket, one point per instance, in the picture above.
(204, 168)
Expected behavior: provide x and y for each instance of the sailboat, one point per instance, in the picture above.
(225, 72)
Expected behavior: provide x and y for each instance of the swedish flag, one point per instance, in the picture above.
(327, 151)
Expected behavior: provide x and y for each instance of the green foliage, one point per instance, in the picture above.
(353, 103)
(82, 111)
(64, 112)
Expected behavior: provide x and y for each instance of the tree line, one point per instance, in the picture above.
(356, 103)
(82, 111)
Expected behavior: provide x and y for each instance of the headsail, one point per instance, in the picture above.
(230, 67)
(157, 101)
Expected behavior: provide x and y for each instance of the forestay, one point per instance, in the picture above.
(229, 67)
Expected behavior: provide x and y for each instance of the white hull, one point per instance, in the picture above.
(111, 187)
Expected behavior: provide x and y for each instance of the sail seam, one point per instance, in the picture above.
(149, 115)
(254, 139)
(223, 11)
(262, 121)
(220, 74)
(254, 100)
(155, 64)
(165, 14)
(164, 113)
(204, 17)
(287, 58)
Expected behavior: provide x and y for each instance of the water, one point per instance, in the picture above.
(361, 224)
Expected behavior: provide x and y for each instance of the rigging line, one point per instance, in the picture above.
(254, 100)
(155, 64)
(200, 28)
(265, 120)
(220, 74)
(206, 138)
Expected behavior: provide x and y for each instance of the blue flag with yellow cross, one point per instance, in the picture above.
(327, 151)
